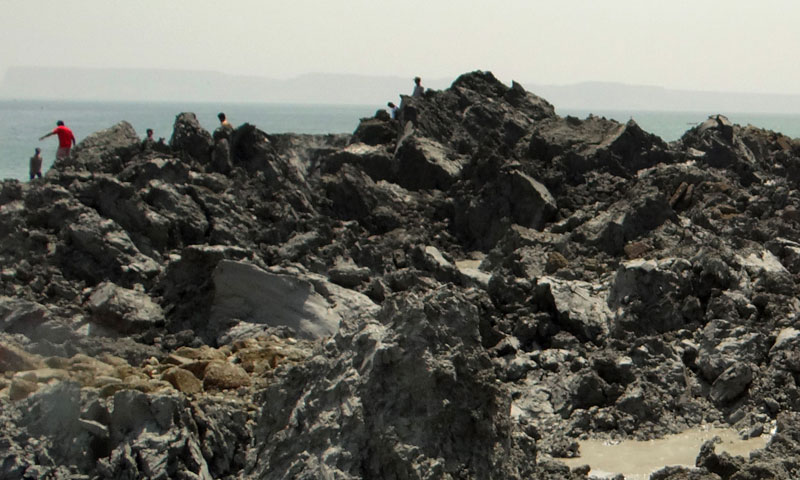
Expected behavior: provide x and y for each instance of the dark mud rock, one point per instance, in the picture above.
(168, 170)
(106, 151)
(683, 473)
(98, 249)
(723, 464)
(124, 310)
(723, 346)
(221, 156)
(649, 295)
(252, 149)
(626, 220)
(378, 130)
(185, 220)
(10, 190)
(579, 146)
(540, 278)
(588, 390)
(731, 383)
(348, 274)
(53, 414)
(478, 111)
(17, 315)
(513, 198)
(718, 144)
(421, 163)
(378, 416)
(352, 193)
(375, 161)
(190, 140)
(579, 307)
(15, 359)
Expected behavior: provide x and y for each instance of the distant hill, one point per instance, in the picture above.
(207, 86)
(202, 86)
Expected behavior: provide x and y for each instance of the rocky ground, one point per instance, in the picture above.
(461, 293)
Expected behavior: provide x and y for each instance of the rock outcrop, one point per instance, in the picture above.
(462, 292)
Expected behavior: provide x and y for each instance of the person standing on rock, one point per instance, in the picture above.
(149, 142)
(419, 90)
(36, 164)
(221, 153)
(66, 140)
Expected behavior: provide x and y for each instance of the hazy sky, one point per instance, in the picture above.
(720, 45)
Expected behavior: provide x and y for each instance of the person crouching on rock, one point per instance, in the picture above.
(36, 164)
(392, 110)
(65, 140)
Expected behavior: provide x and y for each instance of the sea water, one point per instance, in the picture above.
(22, 122)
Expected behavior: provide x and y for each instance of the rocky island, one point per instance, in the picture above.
(462, 293)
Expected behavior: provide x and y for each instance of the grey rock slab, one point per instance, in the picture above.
(246, 292)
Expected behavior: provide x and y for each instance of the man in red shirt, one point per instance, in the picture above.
(65, 140)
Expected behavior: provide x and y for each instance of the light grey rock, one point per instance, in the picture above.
(580, 306)
(17, 315)
(245, 292)
(124, 310)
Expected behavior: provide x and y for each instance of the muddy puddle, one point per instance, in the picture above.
(637, 460)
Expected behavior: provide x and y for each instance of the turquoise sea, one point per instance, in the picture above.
(22, 122)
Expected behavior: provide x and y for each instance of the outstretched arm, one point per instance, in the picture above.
(45, 136)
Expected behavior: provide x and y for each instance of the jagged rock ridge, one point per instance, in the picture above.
(459, 293)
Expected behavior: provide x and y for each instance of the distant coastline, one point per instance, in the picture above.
(141, 85)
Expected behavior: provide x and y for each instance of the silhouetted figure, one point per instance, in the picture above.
(419, 90)
(221, 154)
(223, 120)
(36, 164)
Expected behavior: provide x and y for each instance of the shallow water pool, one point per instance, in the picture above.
(638, 459)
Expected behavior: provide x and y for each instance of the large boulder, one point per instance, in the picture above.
(245, 292)
(513, 198)
(190, 139)
(18, 315)
(422, 163)
(578, 146)
(97, 249)
(124, 310)
(106, 151)
(378, 130)
(650, 296)
(579, 307)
